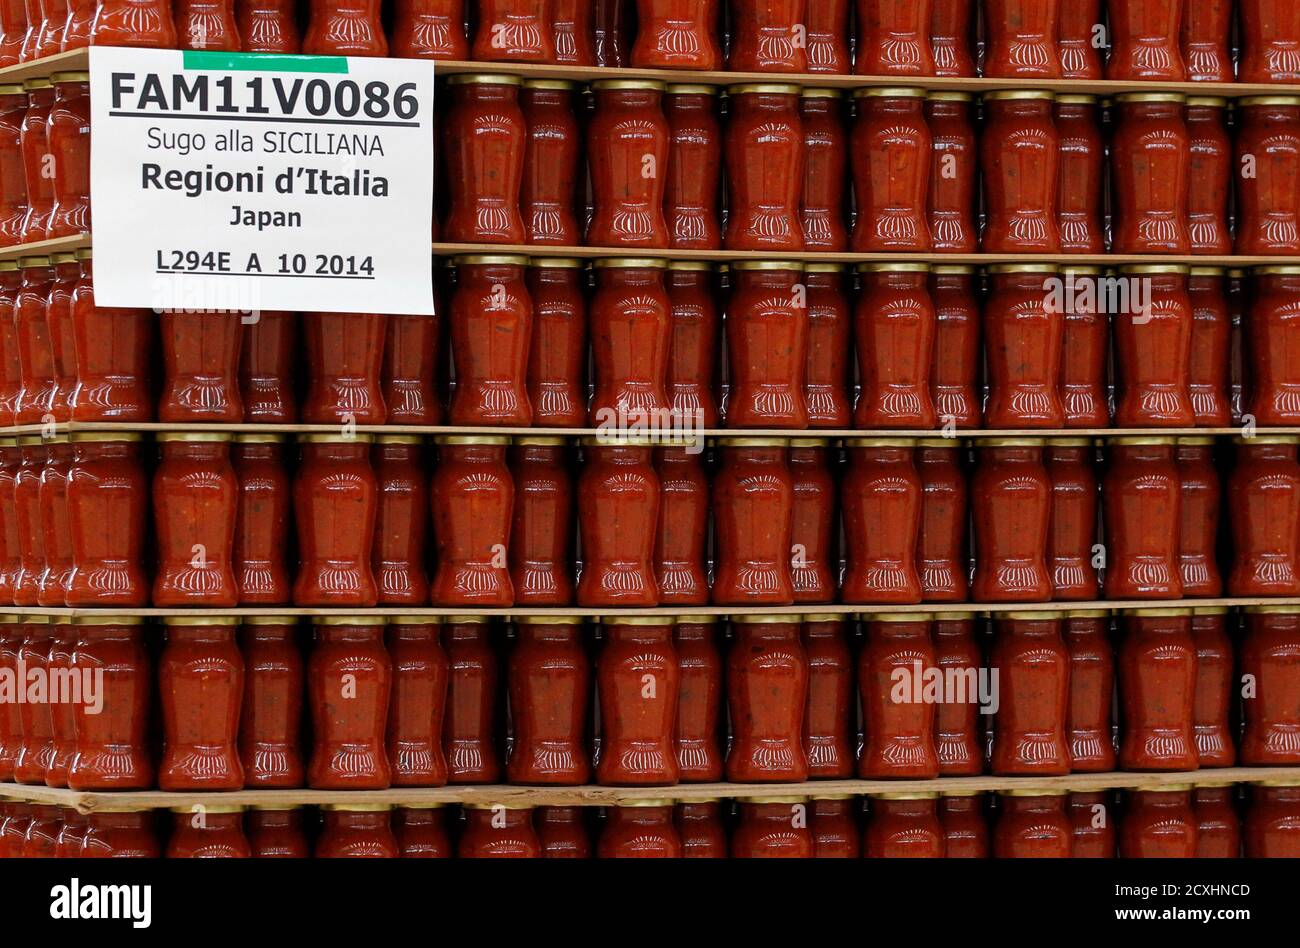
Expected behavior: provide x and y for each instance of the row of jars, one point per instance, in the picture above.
(1173, 821)
(44, 158)
(917, 170)
(651, 700)
(901, 522)
(657, 345)
(1163, 40)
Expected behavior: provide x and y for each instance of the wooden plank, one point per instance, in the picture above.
(88, 802)
(76, 60)
(43, 248)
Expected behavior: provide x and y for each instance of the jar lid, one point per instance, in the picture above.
(320, 438)
(697, 620)
(466, 620)
(483, 78)
(1032, 792)
(558, 85)
(1075, 98)
(889, 92)
(1267, 439)
(422, 805)
(1150, 97)
(29, 262)
(1269, 100)
(961, 793)
(414, 620)
(60, 438)
(1003, 95)
(690, 266)
(1194, 441)
(1069, 442)
(1275, 270)
(1081, 270)
(11, 88)
(688, 801)
(884, 267)
(752, 442)
(825, 617)
(270, 620)
(35, 620)
(636, 620)
(60, 258)
(349, 620)
(556, 263)
(766, 88)
(1011, 442)
(1277, 782)
(30, 441)
(1156, 612)
(631, 263)
(648, 85)
(1024, 268)
(359, 807)
(58, 77)
(213, 437)
(1030, 615)
(832, 796)
(690, 88)
(943, 95)
(83, 253)
(776, 799)
(38, 83)
(643, 803)
(952, 269)
(1274, 610)
(548, 620)
(107, 620)
(194, 621)
(959, 615)
(471, 439)
(616, 440)
(945, 443)
(897, 616)
(129, 436)
(880, 442)
(905, 795)
(1207, 101)
(540, 441)
(1199, 271)
(1138, 440)
(767, 619)
(767, 265)
(398, 439)
(1155, 268)
(276, 807)
(820, 93)
(259, 438)
(491, 259)
(1088, 614)
(1210, 610)
(810, 442)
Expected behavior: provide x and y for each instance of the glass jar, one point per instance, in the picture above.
(262, 519)
(639, 829)
(825, 175)
(956, 362)
(34, 140)
(834, 829)
(1011, 507)
(752, 507)
(1032, 824)
(1072, 534)
(195, 506)
(349, 688)
(897, 720)
(34, 403)
(1150, 172)
(677, 34)
(637, 683)
(1023, 329)
(411, 353)
(699, 699)
(903, 826)
(275, 831)
(356, 831)
(1032, 666)
(1021, 39)
(693, 344)
(767, 345)
(514, 31)
(766, 36)
(618, 517)
(772, 828)
(491, 329)
(891, 149)
(957, 727)
(893, 38)
(401, 520)
(1270, 34)
(1153, 348)
(1270, 734)
(627, 154)
(56, 532)
(1157, 690)
(1092, 690)
(201, 687)
(767, 694)
(631, 332)
(965, 828)
(418, 696)
(1207, 382)
(813, 523)
(1207, 30)
(829, 737)
(1264, 515)
(200, 355)
(550, 162)
(267, 386)
(472, 501)
(206, 24)
(1019, 162)
(951, 37)
(1141, 504)
(699, 824)
(562, 832)
(115, 356)
(881, 501)
(681, 569)
(1269, 370)
(485, 140)
(541, 526)
(469, 735)
(1215, 745)
(345, 368)
(1209, 174)
(1158, 823)
(1267, 147)
(270, 718)
(1079, 55)
(113, 751)
(894, 331)
(1145, 37)
(26, 583)
(764, 151)
(694, 166)
(1081, 173)
(335, 503)
(829, 363)
(1270, 825)
(68, 130)
(270, 26)
(954, 163)
(558, 347)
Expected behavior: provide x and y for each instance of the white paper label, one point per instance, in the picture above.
(237, 181)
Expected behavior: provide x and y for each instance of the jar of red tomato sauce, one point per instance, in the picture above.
(270, 26)
(892, 154)
(631, 334)
(965, 827)
(485, 139)
(1206, 32)
(957, 726)
(637, 682)
(699, 824)
(1211, 338)
(954, 163)
(1092, 827)
(1269, 38)
(113, 751)
(956, 361)
(34, 141)
(639, 829)
(903, 825)
(421, 831)
(814, 521)
(767, 344)
(469, 736)
(1142, 507)
(1021, 39)
(356, 831)
(345, 368)
(1209, 174)
(26, 583)
(34, 403)
(13, 183)
(195, 506)
(208, 831)
(618, 516)
(114, 356)
(1270, 732)
(548, 675)
(1032, 824)
(894, 331)
(772, 828)
(1218, 827)
(753, 496)
(699, 699)
(1215, 744)
(941, 543)
(1270, 372)
(121, 832)
(266, 368)
(262, 519)
(1023, 327)
(881, 501)
(201, 684)
(1158, 823)
(677, 34)
(691, 192)
(1072, 532)
(558, 349)
(541, 529)
(349, 688)
(1032, 667)
(681, 570)
(828, 735)
(1011, 505)
(893, 38)
(275, 831)
(335, 499)
(472, 505)
(1157, 690)
(1153, 348)
(767, 691)
(825, 146)
(1081, 174)
(628, 155)
(764, 167)
(200, 356)
(491, 326)
(1264, 514)
(562, 832)
(827, 367)
(952, 37)
(553, 147)
(693, 344)
(1145, 43)
(768, 36)
(1019, 159)
(1150, 173)
(1085, 350)
(270, 718)
(515, 31)
(1268, 161)
(897, 720)
(107, 501)
(401, 520)
(68, 131)
(1076, 46)
(1092, 690)
(415, 713)
(1270, 825)
(834, 827)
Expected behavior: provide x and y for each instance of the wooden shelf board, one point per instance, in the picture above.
(88, 802)
(1101, 87)
(76, 60)
(830, 608)
(43, 248)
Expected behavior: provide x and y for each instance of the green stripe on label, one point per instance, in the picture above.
(263, 62)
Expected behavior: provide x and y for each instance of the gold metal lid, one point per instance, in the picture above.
(320, 438)
(1003, 95)
(106, 436)
(501, 804)
(752, 442)
(1289, 100)
(766, 88)
(58, 77)
(951, 269)
(349, 620)
(1207, 101)
(37, 83)
(1011, 442)
(398, 439)
(820, 93)
(767, 265)
(259, 438)
(826, 617)
(945, 443)
(472, 439)
(490, 259)
(11, 88)
(1030, 615)
(556, 263)
(767, 619)
(548, 620)
(1032, 792)
(107, 620)
(775, 799)
(1157, 612)
(905, 795)
(647, 85)
(897, 616)
(690, 88)
(636, 620)
(359, 807)
(414, 620)
(1141, 440)
(889, 92)
(268, 620)
(1194, 441)
(1276, 610)
(466, 620)
(1024, 268)
(212, 437)
(557, 85)
(1266, 439)
(697, 619)
(483, 78)
(62, 258)
(1201, 271)
(1293, 781)
(1125, 97)
(631, 263)
(1139, 269)
(1272, 270)
(208, 808)
(540, 441)
(1069, 442)
(645, 803)
(885, 267)
(944, 95)
(194, 621)
(1075, 98)
(956, 616)
(880, 442)
(810, 442)
(689, 266)
(1210, 610)
(1088, 614)
(28, 262)
(1165, 788)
